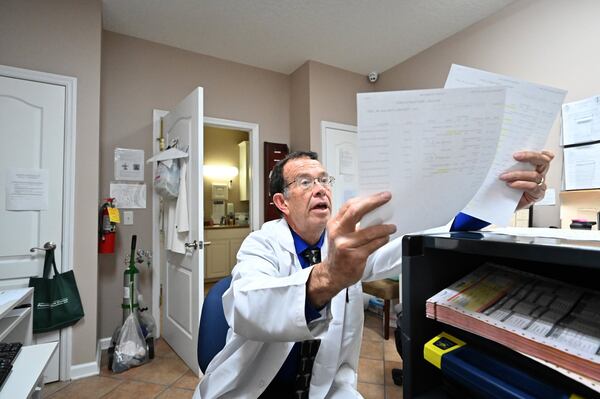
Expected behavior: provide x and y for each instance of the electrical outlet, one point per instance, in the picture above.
(128, 217)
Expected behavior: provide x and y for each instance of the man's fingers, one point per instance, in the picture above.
(541, 160)
(353, 210)
(364, 236)
(528, 186)
(522, 175)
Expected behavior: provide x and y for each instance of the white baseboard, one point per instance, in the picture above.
(91, 368)
(84, 370)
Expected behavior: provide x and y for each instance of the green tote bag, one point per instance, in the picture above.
(56, 301)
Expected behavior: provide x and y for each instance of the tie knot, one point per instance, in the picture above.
(312, 255)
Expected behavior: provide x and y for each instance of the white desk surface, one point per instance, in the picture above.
(27, 369)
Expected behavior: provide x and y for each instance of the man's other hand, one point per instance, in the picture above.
(348, 248)
(533, 182)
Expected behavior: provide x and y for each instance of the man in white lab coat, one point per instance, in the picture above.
(280, 301)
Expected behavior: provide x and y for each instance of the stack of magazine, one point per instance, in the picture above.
(543, 318)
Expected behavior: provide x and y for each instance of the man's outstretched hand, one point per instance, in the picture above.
(348, 248)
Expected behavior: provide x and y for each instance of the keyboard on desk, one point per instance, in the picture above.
(8, 354)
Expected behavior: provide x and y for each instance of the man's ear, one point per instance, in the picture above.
(281, 203)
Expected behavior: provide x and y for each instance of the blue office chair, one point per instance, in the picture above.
(213, 326)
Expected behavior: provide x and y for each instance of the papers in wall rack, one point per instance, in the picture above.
(582, 167)
(581, 121)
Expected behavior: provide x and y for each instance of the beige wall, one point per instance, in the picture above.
(221, 148)
(300, 109)
(553, 42)
(63, 37)
(138, 76)
(321, 92)
(333, 98)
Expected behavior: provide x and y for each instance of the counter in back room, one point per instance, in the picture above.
(221, 254)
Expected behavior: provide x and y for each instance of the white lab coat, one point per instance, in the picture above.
(265, 309)
(177, 220)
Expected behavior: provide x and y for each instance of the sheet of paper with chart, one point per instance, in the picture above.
(431, 148)
(581, 121)
(529, 114)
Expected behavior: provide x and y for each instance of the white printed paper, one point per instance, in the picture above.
(582, 167)
(581, 121)
(431, 148)
(26, 189)
(128, 196)
(129, 164)
(529, 114)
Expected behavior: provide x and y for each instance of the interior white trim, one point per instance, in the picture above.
(86, 369)
(68, 227)
(157, 115)
(253, 135)
(332, 125)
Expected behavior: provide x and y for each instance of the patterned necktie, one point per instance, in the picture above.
(312, 255)
(309, 348)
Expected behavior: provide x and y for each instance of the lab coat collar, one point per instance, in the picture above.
(283, 231)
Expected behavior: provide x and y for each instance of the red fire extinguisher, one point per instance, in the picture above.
(107, 227)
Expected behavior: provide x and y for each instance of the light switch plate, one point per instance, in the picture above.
(127, 217)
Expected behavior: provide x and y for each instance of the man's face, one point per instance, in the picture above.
(306, 210)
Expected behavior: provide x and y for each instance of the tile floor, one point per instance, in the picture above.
(167, 376)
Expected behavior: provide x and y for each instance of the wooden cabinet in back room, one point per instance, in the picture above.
(221, 254)
(273, 153)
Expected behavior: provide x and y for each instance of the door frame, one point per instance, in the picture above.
(68, 222)
(253, 136)
(332, 125)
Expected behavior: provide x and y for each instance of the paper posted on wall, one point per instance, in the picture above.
(582, 167)
(128, 195)
(129, 164)
(26, 189)
(581, 121)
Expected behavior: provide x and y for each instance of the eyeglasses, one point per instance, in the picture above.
(307, 182)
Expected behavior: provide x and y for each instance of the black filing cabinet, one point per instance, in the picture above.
(433, 262)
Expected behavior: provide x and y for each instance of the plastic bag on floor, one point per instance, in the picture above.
(131, 350)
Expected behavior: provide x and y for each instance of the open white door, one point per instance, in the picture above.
(184, 280)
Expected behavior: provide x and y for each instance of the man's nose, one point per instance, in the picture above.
(318, 189)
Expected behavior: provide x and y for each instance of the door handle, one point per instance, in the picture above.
(49, 246)
(197, 244)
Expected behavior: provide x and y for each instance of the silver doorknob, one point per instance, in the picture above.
(197, 244)
(47, 246)
(193, 244)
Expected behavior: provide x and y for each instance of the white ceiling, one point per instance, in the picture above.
(280, 35)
